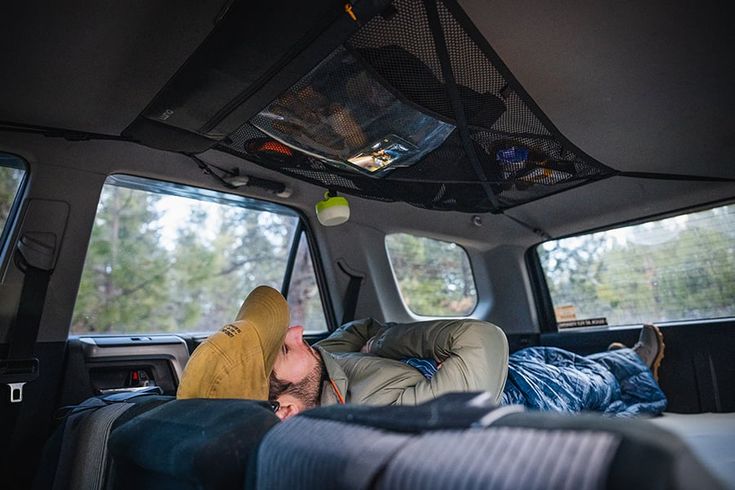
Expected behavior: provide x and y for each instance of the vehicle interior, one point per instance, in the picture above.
(562, 170)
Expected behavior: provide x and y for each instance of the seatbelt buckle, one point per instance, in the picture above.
(16, 373)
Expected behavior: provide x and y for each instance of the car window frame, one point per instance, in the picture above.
(408, 310)
(541, 294)
(7, 233)
(269, 206)
(303, 230)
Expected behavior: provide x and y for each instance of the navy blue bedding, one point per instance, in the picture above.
(613, 382)
(547, 378)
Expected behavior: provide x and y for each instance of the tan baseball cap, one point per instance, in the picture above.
(236, 361)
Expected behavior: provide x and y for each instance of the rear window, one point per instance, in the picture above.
(12, 172)
(680, 268)
(170, 258)
(433, 276)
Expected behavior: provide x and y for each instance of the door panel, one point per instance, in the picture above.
(100, 365)
(27, 425)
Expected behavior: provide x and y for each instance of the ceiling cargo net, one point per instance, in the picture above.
(416, 107)
(341, 114)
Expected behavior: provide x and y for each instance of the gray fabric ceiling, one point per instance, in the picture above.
(640, 86)
(93, 66)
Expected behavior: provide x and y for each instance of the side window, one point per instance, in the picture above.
(12, 172)
(679, 268)
(303, 293)
(170, 258)
(434, 277)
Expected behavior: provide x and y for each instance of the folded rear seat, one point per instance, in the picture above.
(710, 435)
(189, 444)
(457, 442)
(76, 455)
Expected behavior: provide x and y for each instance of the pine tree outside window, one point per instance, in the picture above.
(12, 175)
(674, 269)
(434, 277)
(170, 258)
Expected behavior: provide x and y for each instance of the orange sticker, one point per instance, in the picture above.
(565, 313)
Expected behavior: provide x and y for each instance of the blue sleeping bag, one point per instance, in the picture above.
(613, 382)
(547, 378)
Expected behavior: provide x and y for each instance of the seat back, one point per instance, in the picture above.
(447, 444)
(76, 455)
(189, 444)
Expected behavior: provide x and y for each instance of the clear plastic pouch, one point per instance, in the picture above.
(340, 113)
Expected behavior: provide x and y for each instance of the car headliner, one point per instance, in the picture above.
(641, 87)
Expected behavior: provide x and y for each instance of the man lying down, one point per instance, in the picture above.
(365, 362)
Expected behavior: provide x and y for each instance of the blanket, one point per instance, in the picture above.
(616, 382)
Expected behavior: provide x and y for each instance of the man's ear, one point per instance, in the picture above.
(287, 410)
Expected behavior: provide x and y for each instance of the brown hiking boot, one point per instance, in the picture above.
(650, 347)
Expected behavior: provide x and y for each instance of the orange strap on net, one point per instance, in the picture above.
(350, 12)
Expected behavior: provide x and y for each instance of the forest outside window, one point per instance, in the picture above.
(304, 299)
(433, 276)
(12, 173)
(170, 258)
(674, 269)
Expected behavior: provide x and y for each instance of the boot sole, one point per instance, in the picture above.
(659, 353)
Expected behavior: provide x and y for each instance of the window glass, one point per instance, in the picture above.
(678, 268)
(12, 171)
(303, 293)
(170, 258)
(434, 277)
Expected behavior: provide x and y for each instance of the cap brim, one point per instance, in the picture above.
(236, 361)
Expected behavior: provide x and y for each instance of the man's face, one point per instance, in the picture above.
(297, 359)
(300, 366)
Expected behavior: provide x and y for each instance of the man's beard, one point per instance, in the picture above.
(309, 389)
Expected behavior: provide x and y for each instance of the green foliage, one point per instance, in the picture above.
(148, 273)
(574, 271)
(125, 279)
(435, 278)
(675, 269)
(9, 182)
(187, 271)
(303, 293)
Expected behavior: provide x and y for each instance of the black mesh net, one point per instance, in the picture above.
(520, 158)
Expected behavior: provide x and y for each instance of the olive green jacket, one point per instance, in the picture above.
(473, 356)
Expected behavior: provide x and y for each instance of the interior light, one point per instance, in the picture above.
(333, 210)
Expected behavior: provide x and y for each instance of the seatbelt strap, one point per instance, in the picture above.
(89, 466)
(20, 367)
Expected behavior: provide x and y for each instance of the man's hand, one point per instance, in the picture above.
(366, 348)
